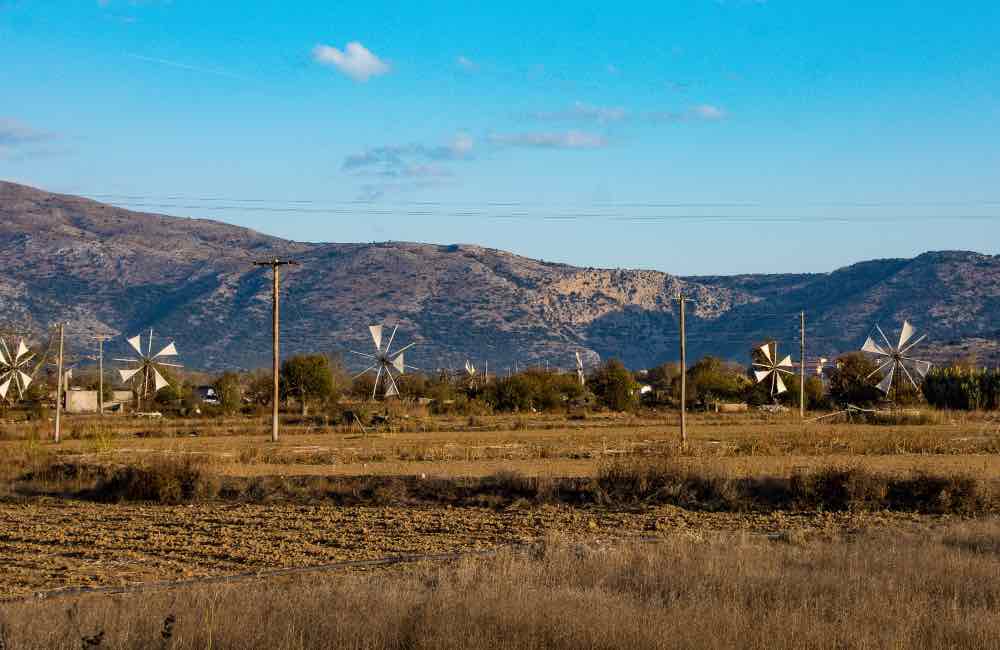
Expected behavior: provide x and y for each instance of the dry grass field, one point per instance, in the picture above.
(877, 589)
(761, 501)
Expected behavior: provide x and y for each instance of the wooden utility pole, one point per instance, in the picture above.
(683, 342)
(59, 383)
(100, 373)
(802, 365)
(276, 264)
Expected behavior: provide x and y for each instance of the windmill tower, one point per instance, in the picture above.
(770, 369)
(385, 362)
(580, 376)
(896, 360)
(146, 371)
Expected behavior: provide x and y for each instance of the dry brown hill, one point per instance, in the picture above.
(104, 268)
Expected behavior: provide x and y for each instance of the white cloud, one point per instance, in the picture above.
(356, 61)
(551, 140)
(466, 64)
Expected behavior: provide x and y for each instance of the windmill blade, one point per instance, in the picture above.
(25, 380)
(365, 371)
(905, 334)
(786, 362)
(913, 344)
(22, 350)
(398, 364)
(780, 384)
(872, 347)
(126, 375)
(579, 362)
(362, 354)
(136, 343)
(376, 332)
(392, 390)
(5, 388)
(169, 351)
(392, 337)
(908, 375)
(761, 374)
(401, 351)
(886, 382)
(766, 351)
(888, 346)
(164, 364)
(159, 381)
(4, 353)
(922, 367)
(882, 366)
(377, 378)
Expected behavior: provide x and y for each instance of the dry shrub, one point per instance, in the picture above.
(163, 479)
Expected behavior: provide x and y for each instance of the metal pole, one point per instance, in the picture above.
(802, 365)
(59, 385)
(684, 435)
(276, 349)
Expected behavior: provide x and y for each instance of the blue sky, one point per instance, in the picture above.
(696, 137)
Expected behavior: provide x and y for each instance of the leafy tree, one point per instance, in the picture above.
(260, 388)
(229, 390)
(307, 377)
(614, 386)
(850, 381)
(713, 379)
(815, 391)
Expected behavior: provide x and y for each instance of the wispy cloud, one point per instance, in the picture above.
(18, 140)
(708, 112)
(396, 160)
(356, 61)
(583, 113)
(466, 64)
(550, 140)
(408, 166)
(186, 66)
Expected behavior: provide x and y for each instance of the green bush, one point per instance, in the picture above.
(966, 389)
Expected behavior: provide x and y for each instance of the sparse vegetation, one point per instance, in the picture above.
(910, 590)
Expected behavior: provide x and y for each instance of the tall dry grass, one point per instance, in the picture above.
(876, 591)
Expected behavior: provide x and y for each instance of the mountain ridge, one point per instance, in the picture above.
(106, 269)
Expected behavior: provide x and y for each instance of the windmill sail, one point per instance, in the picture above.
(146, 372)
(771, 369)
(895, 360)
(386, 363)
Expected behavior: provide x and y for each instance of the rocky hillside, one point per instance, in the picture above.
(105, 269)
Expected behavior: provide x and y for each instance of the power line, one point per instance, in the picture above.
(570, 217)
(544, 204)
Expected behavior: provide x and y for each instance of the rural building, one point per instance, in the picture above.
(85, 401)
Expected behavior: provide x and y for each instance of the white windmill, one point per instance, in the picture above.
(146, 372)
(385, 361)
(470, 372)
(771, 368)
(12, 370)
(580, 376)
(896, 359)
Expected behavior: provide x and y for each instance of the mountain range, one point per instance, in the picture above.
(107, 270)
